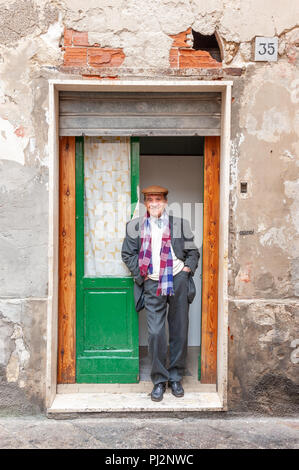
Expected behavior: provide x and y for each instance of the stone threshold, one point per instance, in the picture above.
(143, 386)
(104, 402)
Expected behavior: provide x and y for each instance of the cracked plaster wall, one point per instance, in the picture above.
(263, 283)
(264, 269)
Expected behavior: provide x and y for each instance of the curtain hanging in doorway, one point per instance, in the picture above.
(107, 196)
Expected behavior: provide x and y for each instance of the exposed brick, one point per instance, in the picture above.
(189, 58)
(75, 56)
(179, 40)
(183, 56)
(174, 58)
(80, 38)
(105, 57)
(68, 35)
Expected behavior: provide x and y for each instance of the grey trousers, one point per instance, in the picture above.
(178, 322)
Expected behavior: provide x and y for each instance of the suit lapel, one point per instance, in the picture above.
(139, 223)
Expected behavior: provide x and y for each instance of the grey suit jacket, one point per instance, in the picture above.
(182, 241)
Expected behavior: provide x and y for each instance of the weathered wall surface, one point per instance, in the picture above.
(264, 266)
(57, 39)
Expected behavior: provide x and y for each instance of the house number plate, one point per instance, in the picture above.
(266, 49)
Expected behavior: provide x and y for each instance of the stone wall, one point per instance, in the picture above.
(43, 39)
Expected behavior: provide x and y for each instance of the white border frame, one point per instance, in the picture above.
(53, 137)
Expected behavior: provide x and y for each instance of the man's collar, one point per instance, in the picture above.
(162, 216)
(157, 220)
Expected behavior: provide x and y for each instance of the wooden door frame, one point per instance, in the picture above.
(210, 255)
(52, 330)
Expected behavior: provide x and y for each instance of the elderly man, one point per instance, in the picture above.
(160, 253)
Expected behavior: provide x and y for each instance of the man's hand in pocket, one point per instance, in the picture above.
(187, 269)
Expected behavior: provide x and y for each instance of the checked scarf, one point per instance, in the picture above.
(165, 284)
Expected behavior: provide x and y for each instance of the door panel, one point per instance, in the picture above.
(103, 321)
(107, 323)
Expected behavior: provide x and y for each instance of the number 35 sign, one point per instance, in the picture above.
(266, 49)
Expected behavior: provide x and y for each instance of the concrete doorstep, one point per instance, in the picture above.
(79, 402)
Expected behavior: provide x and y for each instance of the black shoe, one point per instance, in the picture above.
(176, 389)
(157, 392)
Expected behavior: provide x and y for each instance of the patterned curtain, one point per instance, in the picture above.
(107, 191)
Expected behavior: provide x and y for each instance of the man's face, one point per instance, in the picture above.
(155, 204)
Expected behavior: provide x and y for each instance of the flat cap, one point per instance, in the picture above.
(155, 190)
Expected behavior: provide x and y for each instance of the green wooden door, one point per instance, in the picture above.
(107, 343)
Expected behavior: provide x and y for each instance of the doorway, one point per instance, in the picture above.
(177, 163)
(107, 178)
(101, 352)
(211, 103)
(179, 108)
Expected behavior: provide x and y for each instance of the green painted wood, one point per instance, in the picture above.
(199, 363)
(135, 152)
(106, 282)
(107, 323)
(79, 249)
